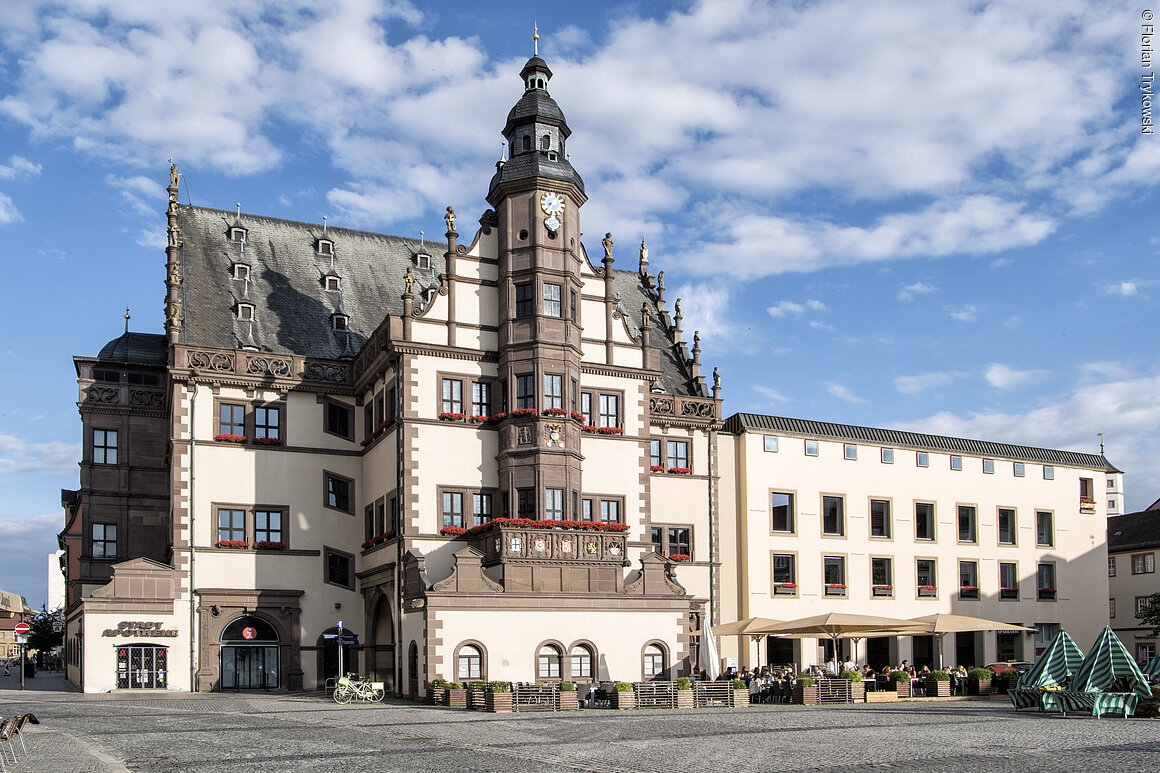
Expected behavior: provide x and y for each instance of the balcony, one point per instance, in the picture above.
(1087, 506)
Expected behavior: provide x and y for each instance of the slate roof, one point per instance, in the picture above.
(741, 422)
(293, 311)
(136, 349)
(1134, 531)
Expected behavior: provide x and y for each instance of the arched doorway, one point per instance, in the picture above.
(382, 659)
(413, 670)
(328, 654)
(249, 655)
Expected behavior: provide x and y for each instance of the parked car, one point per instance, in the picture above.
(1021, 666)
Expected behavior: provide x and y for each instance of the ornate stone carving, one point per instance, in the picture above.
(324, 371)
(660, 406)
(524, 436)
(216, 361)
(273, 366)
(554, 435)
(174, 316)
(699, 409)
(99, 394)
(146, 398)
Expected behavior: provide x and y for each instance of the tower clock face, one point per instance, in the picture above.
(552, 223)
(552, 204)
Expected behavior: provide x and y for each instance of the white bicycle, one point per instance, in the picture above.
(353, 686)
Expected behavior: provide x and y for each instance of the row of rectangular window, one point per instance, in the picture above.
(603, 510)
(834, 581)
(451, 390)
(783, 516)
(1141, 563)
(922, 458)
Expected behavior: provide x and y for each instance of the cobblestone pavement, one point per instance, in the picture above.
(162, 733)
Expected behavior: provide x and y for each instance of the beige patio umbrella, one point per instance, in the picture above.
(838, 625)
(747, 626)
(941, 624)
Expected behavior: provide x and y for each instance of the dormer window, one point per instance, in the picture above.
(333, 283)
(241, 272)
(237, 234)
(340, 322)
(325, 247)
(245, 312)
(422, 260)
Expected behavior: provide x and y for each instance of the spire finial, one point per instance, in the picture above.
(1100, 435)
(126, 319)
(421, 243)
(239, 205)
(324, 225)
(535, 39)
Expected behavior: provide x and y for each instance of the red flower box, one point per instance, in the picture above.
(378, 539)
(679, 557)
(531, 523)
(452, 531)
(836, 585)
(233, 544)
(656, 468)
(230, 438)
(681, 470)
(448, 416)
(477, 419)
(554, 412)
(968, 587)
(265, 545)
(523, 412)
(610, 431)
(497, 417)
(577, 416)
(267, 441)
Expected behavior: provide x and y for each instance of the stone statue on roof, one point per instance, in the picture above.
(677, 308)
(716, 379)
(644, 315)
(173, 175)
(449, 219)
(409, 284)
(608, 244)
(661, 281)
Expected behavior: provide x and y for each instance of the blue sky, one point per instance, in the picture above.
(934, 216)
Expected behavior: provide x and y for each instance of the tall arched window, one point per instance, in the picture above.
(654, 662)
(546, 142)
(581, 662)
(469, 663)
(548, 662)
(527, 142)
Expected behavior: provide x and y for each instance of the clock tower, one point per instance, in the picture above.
(537, 197)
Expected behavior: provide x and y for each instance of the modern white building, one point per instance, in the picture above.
(829, 517)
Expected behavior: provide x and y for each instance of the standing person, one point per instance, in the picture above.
(849, 665)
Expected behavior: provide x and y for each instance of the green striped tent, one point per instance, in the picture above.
(1054, 666)
(1153, 669)
(1108, 680)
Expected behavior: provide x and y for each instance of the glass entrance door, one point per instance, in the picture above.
(141, 667)
(249, 667)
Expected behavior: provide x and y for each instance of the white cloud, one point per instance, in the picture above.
(918, 288)
(31, 527)
(19, 168)
(144, 195)
(1012, 322)
(19, 455)
(1127, 289)
(8, 211)
(1005, 377)
(785, 308)
(966, 313)
(842, 393)
(920, 382)
(771, 394)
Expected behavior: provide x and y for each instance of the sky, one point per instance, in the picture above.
(928, 216)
